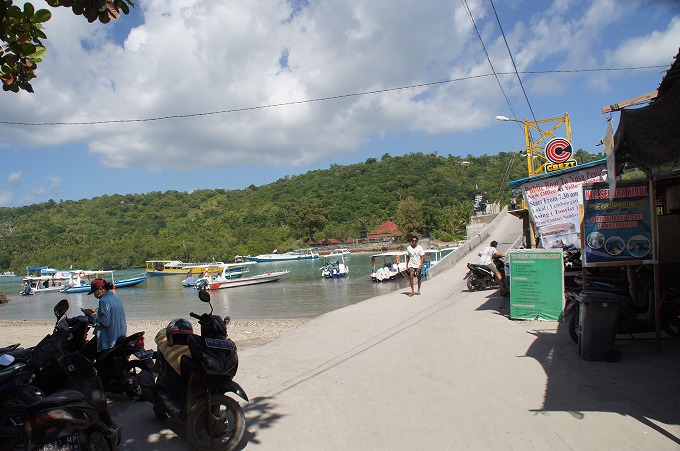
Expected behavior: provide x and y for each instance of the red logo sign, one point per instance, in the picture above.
(558, 150)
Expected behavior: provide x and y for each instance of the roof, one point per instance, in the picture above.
(386, 229)
(648, 137)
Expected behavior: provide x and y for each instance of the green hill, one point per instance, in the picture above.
(427, 193)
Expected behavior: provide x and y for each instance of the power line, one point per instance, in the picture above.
(513, 61)
(500, 85)
(322, 99)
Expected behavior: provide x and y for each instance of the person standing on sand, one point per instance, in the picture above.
(109, 319)
(415, 258)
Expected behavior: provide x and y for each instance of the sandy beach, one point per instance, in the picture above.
(245, 333)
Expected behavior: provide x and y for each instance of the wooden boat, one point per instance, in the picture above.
(298, 254)
(176, 267)
(81, 280)
(243, 281)
(388, 266)
(43, 279)
(334, 267)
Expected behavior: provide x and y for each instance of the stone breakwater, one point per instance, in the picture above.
(245, 333)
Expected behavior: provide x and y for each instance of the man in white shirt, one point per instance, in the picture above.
(415, 258)
(486, 258)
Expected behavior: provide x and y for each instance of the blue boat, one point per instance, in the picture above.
(81, 280)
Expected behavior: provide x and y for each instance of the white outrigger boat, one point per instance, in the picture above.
(214, 273)
(43, 279)
(243, 281)
(298, 254)
(388, 266)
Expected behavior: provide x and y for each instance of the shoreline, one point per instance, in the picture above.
(245, 333)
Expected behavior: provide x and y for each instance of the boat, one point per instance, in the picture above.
(243, 281)
(334, 266)
(8, 274)
(175, 267)
(388, 266)
(340, 251)
(81, 280)
(298, 254)
(43, 279)
(432, 257)
(214, 273)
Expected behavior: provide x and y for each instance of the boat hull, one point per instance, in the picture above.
(244, 281)
(117, 284)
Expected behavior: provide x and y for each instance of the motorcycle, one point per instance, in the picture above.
(16, 394)
(633, 317)
(119, 373)
(479, 277)
(195, 373)
(73, 414)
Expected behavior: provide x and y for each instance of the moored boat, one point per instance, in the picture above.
(340, 251)
(8, 274)
(176, 267)
(217, 273)
(334, 267)
(43, 279)
(388, 266)
(252, 280)
(81, 280)
(298, 254)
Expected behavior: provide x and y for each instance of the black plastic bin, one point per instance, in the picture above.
(598, 311)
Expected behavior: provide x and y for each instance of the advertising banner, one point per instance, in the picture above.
(553, 204)
(536, 284)
(618, 231)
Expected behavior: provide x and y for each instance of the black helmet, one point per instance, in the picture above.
(178, 331)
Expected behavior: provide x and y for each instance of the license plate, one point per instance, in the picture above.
(144, 354)
(219, 343)
(65, 443)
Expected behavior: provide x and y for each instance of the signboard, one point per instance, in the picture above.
(553, 204)
(536, 284)
(559, 153)
(618, 231)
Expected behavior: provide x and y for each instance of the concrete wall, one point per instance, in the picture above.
(481, 236)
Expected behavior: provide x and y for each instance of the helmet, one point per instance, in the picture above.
(177, 331)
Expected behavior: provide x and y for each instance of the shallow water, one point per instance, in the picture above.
(302, 293)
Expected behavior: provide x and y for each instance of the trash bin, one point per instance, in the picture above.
(598, 311)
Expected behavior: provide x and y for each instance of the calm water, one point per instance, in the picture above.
(303, 293)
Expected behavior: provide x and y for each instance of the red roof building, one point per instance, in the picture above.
(385, 230)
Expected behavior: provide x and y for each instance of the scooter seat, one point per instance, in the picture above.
(58, 398)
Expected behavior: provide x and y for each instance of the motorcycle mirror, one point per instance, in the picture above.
(204, 296)
(61, 308)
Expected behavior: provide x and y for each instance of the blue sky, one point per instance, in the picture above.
(236, 59)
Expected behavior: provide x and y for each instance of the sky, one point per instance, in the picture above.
(200, 94)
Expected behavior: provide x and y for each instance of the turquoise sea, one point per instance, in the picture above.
(303, 293)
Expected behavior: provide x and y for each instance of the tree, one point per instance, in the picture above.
(21, 32)
(409, 216)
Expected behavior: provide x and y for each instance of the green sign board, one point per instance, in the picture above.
(536, 284)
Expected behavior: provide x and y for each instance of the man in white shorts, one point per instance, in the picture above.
(415, 258)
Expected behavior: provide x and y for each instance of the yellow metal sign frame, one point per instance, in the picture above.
(535, 148)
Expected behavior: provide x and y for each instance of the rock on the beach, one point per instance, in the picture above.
(3, 298)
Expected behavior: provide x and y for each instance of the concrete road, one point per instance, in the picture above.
(444, 370)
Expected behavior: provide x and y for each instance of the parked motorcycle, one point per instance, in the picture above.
(479, 277)
(116, 367)
(16, 393)
(73, 414)
(633, 317)
(195, 373)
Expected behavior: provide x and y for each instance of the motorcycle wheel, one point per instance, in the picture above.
(220, 428)
(472, 283)
(12, 413)
(97, 442)
(573, 327)
(672, 326)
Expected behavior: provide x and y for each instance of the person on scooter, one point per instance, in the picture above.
(109, 318)
(487, 255)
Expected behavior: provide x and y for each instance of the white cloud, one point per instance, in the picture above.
(198, 56)
(15, 177)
